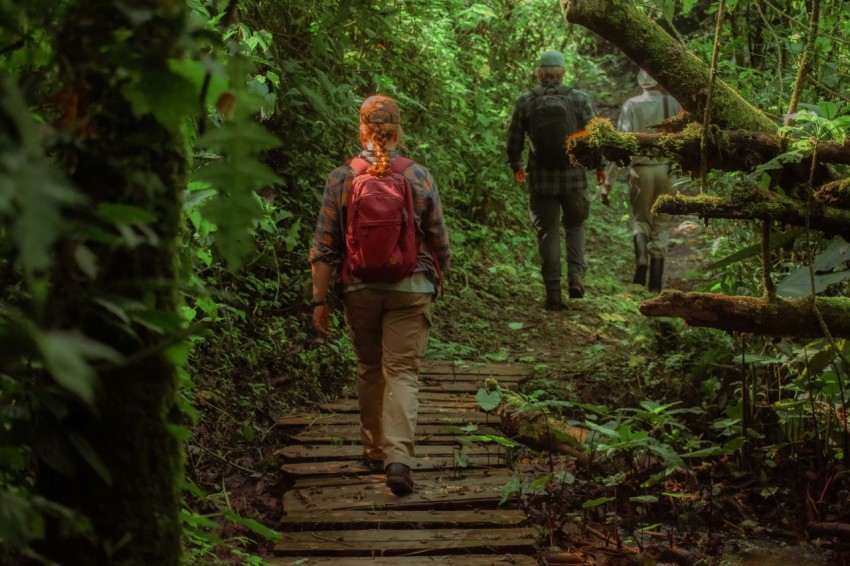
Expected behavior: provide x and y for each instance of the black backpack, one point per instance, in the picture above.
(551, 119)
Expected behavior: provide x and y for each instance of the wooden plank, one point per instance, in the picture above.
(425, 475)
(486, 370)
(392, 542)
(347, 468)
(432, 560)
(389, 519)
(468, 388)
(431, 493)
(508, 381)
(466, 378)
(454, 418)
(444, 407)
(307, 452)
(425, 434)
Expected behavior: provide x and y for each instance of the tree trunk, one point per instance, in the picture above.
(758, 315)
(121, 155)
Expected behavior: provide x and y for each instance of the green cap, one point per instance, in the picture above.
(552, 58)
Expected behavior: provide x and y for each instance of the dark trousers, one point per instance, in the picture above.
(548, 213)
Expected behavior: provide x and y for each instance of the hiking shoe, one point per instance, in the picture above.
(399, 479)
(373, 464)
(576, 286)
(553, 301)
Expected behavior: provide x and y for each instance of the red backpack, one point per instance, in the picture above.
(380, 232)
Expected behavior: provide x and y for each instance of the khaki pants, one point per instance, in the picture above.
(647, 183)
(389, 330)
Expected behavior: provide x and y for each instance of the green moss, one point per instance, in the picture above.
(836, 193)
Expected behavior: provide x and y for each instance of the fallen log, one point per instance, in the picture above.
(758, 315)
(542, 431)
(829, 529)
(759, 204)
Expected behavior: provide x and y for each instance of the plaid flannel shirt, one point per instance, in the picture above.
(546, 181)
(329, 236)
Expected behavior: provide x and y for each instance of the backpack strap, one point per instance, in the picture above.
(399, 164)
(359, 165)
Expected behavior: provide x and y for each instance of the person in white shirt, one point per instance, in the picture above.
(648, 179)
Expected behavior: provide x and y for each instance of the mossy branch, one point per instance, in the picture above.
(728, 150)
(758, 204)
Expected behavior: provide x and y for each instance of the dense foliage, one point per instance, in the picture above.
(264, 97)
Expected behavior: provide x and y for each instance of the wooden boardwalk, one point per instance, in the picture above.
(338, 512)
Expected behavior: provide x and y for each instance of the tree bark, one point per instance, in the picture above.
(759, 204)
(791, 318)
(121, 155)
(675, 67)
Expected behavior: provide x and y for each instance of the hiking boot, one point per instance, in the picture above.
(554, 301)
(576, 286)
(641, 261)
(399, 479)
(656, 272)
(373, 464)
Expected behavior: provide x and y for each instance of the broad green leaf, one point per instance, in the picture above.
(20, 522)
(168, 96)
(253, 526)
(510, 489)
(162, 322)
(196, 73)
(124, 214)
(777, 240)
(488, 400)
(88, 454)
(591, 503)
(66, 356)
(461, 459)
(248, 137)
(611, 433)
(86, 260)
(644, 499)
(798, 283)
(540, 482)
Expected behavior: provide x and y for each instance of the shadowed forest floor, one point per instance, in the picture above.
(599, 351)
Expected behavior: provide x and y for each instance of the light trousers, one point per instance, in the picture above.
(646, 184)
(389, 331)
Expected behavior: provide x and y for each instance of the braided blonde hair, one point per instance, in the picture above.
(380, 123)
